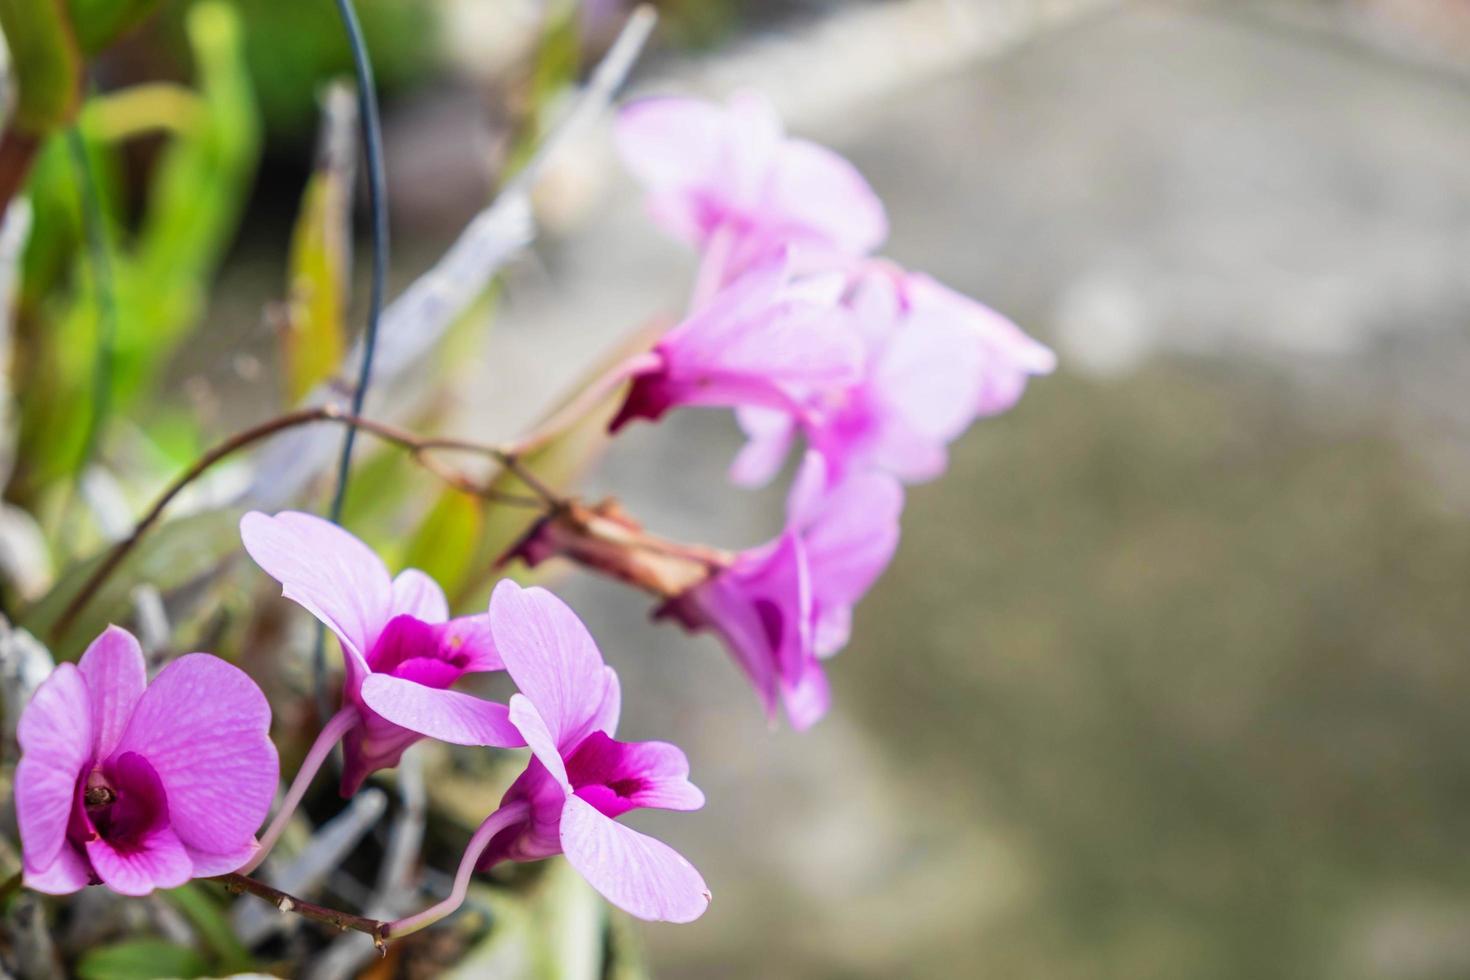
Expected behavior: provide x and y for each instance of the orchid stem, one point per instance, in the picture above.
(402, 438)
(239, 882)
(585, 400)
(332, 732)
(494, 824)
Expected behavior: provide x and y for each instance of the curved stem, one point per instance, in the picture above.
(239, 882)
(240, 440)
(585, 400)
(339, 725)
(494, 824)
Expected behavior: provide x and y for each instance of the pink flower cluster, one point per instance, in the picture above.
(803, 333)
(796, 327)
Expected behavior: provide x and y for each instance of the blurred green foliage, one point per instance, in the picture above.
(292, 50)
(45, 62)
(161, 272)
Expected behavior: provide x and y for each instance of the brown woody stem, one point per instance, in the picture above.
(238, 883)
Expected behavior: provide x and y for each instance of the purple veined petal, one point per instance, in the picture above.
(770, 434)
(208, 863)
(204, 727)
(551, 657)
(55, 734)
(808, 697)
(643, 877)
(449, 716)
(68, 873)
(114, 670)
(325, 569)
(852, 537)
(468, 642)
(617, 776)
(816, 189)
(539, 738)
(605, 718)
(159, 860)
(416, 594)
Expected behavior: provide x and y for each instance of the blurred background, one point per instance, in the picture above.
(1169, 677)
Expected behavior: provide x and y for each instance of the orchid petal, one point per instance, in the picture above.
(853, 537)
(808, 698)
(618, 776)
(815, 188)
(642, 876)
(204, 726)
(68, 873)
(208, 863)
(55, 735)
(159, 861)
(448, 716)
(468, 643)
(332, 574)
(116, 676)
(551, 657)
(417, 595)
(770, 434)
(539, 739)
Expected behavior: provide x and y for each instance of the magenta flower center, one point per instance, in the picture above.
(122, 801)
(410, 648)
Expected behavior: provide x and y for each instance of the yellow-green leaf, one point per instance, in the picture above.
(46, 64)
(313, 342)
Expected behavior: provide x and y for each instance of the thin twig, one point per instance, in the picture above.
(402, 438)
(238, 884)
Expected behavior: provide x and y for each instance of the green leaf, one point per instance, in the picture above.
(209, 921)
(45, 62)
(444, 544)
(100, 22)
(141, 959)
(314, 340)
(174, 555)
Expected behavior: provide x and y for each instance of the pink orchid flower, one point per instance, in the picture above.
(933, 361)
(784, 606)
(141, 786)
(399, 646)
(726, 179)
(579, 778)
(755, 343)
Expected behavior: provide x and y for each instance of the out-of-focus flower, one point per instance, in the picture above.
(727, 180)
(933, 361)
(579, 777)
(758, 342)
(396, 636)
(141, 786)
(783, 606)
